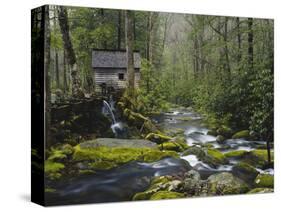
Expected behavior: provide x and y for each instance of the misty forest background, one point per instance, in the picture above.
(221, 66)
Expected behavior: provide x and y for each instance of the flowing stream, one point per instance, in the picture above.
(196, 133)
(121, 183)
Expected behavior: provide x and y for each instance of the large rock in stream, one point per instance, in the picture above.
(226, 183)
(115, 142)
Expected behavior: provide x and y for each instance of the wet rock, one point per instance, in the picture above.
(199, 152)
(192, 174)
(245, 171)
(220, 139)
(115, 142)
(192, 185)
(226, 183)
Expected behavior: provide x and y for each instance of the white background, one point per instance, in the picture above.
(15, 105)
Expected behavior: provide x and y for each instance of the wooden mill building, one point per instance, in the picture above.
(110, 68)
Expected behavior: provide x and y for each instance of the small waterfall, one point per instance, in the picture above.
(109, 110)
(117, 127)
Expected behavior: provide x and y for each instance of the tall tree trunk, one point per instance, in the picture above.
(239, 55)
(56, 52)
(148, 22)
(65, 88)
(150, 52)
(250, 44)
(46, 22)
(70, 54)
(129, 34)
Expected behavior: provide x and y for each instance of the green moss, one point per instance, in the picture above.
(170, 146)
(57, 154)
(157, 138)
(119, 155)
(242, 134)
(154, 155)
(52, 169)
(181, 141)
(235, 154)
(166, 195)
(217, 156)
(102, 165)
(160, 179)
(264, 180)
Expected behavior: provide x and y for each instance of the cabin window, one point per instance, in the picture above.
(121, 76)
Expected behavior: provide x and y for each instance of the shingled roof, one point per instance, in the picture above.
(113, 59)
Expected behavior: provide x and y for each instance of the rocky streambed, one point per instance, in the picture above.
(187, 160)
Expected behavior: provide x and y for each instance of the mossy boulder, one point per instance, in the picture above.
(158, 138)
(242, 134)
(113, 156)
(56, 155)
(166, 195)
(180, 141)
(194, 150)
(140, 121)
(53, 169)
(210, 156)
(235, 154)
(260, 191)
(264, 180)
(170, 146)
(226, 183)
(220, 139)
(258, 158)
(217, 156)
(245, 172)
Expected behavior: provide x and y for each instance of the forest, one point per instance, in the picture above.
(203, 102)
